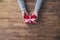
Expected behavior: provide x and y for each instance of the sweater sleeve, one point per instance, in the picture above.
(22, 5)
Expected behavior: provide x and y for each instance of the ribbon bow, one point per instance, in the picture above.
(30, 20)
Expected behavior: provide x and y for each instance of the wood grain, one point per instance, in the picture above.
(13, 28)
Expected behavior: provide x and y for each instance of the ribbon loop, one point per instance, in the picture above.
(28, 20)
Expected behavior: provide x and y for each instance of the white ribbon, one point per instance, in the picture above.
(29, 20)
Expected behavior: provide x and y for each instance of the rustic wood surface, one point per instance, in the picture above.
(13, 28)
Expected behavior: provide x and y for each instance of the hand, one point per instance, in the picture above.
(35, 13)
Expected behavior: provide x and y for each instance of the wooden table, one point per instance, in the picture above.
(13, 28)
